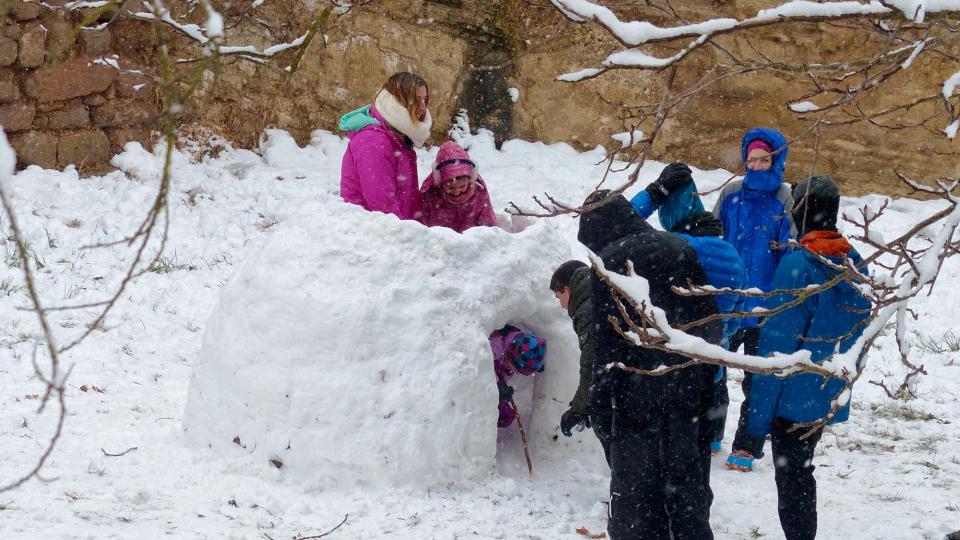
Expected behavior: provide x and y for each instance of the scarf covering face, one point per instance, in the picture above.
(399, 118)
(770, 179)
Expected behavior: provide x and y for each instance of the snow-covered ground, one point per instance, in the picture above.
(892, 471)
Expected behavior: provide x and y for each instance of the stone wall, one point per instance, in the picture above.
(61, 107)
(65, 97)
(472, 52)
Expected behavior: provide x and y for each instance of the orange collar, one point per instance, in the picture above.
(828, 243)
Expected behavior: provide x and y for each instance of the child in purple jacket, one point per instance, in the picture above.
(454, 195)
(514, 351)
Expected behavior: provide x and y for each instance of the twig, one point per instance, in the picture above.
(125, 452)
(298, 537)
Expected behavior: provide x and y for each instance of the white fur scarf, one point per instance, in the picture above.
(399, 118)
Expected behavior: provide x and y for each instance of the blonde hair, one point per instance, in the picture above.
(403, 86)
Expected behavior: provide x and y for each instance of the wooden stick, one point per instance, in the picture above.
(523, 437)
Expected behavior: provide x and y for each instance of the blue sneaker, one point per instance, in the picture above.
(715, 448)
(740, 460)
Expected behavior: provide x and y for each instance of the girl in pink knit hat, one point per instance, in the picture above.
(454, 195)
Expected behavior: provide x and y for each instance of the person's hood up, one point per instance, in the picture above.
(609, 222)
(816, 205)
(770, 179)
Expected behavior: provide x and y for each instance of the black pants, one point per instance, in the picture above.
(657, 490)
(716, 420)
(602, 422)
(742, 440)
(796, 486)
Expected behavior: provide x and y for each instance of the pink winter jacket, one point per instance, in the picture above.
(437, 212)
(500, 341)
(379, 171)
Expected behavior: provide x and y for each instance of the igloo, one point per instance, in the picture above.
(352, 348)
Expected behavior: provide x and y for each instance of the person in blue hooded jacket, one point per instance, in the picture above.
(829, 320)
(674, 196)
(755, 213)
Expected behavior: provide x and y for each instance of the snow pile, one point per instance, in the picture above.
(353, 348)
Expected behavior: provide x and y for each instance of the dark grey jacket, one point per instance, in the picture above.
(580, 310)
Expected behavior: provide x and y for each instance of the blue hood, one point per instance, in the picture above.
(770, 179)
(679, 205)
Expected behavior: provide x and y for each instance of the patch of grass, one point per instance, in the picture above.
(887, 434)
(891, 497)
(12, 256)
(7, 287)
(897, 411)
(165, 265)
(755, 532)
(929, 443)
(846, 475)
(948, 342)
(217, 260)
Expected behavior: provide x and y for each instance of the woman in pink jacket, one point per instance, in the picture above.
(454, 195)
(379, 170)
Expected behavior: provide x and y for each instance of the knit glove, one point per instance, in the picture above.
(673, 177)
(506, 391)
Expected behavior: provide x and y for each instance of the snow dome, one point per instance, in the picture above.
(353, 349)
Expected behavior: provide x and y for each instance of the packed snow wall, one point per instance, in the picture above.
(352, 349)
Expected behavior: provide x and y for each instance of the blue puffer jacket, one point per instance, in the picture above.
(682, 213)
(755, 211)
(826, 316)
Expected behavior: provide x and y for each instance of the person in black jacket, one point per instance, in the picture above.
(570, 283)
(658, 485)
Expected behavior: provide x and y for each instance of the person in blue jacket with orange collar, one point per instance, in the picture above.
(824, 322)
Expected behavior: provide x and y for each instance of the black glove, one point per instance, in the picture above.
(506, 391)
(673, 177)
(572, 419)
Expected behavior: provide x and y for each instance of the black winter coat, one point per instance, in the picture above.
(617, 234)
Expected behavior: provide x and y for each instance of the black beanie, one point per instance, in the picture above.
(816, 204)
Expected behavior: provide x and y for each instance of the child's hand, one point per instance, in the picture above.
(506, 391)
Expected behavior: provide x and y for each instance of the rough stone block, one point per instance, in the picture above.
(12, 31)
(134, 85)
(125, 113)
(17, 116)
(94, 100)
(35, 148)
(8, 51)
(75, 116)
(9, 89)
(84, 148)
(32, 46)
(121, 136)
(23, 11)
(69, 79)
(61, 36)
(95, 42)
